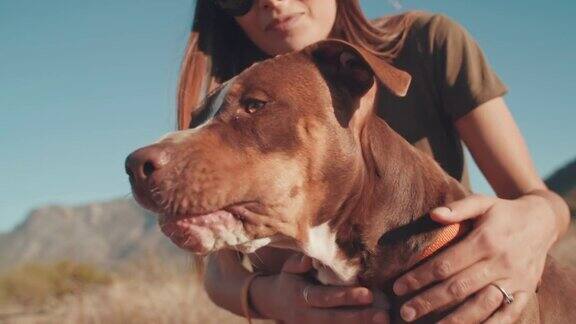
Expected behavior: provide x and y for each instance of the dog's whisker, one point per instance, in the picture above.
(163, 203)
(187, 240)
(238, 256)
(178, 205)
(171, 203)
(259, 258)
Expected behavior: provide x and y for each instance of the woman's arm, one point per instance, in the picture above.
(499, 150)
(280, 295)
(511, 237)
(223, 279)
(225, 275)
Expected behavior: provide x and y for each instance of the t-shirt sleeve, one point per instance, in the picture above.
(463, 76)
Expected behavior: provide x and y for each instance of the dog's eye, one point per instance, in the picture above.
(253, 105)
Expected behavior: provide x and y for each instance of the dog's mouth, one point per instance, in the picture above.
(204, 233)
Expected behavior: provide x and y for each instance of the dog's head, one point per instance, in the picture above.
(274, 152)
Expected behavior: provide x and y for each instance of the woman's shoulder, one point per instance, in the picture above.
(419, 20)
(431, 29)
(440, 47)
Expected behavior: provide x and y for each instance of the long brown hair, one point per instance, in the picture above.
(218, 49)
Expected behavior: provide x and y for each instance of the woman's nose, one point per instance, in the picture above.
(272, 4)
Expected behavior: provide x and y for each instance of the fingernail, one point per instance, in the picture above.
(364, 296)
(408, 313)
(443, 212)
(380, 318)
(399, 288)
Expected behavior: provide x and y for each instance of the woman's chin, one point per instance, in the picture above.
(290, 43)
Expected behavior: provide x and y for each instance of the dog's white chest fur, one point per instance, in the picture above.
(331, 263)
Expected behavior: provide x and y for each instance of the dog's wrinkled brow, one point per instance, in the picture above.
(212, 104)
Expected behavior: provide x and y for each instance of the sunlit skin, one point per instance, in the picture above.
(487, 250)
(281, 26)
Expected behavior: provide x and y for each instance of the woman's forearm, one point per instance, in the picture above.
(225, 277)
(223, 280)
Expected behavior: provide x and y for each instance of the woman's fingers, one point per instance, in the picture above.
(297, 264)
(332, 296)
(476, 309)
(455, 258)
(440, 267)
(457, 211)
(510, 313)
(449, 292)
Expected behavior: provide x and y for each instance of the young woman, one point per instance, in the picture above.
(454, 97)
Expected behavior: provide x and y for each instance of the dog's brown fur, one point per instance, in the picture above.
(317, 153)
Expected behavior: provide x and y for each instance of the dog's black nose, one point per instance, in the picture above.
(142, 163)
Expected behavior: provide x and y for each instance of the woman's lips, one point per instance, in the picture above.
(284, 23)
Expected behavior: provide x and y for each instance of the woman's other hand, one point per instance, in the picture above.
(507, 247)
(282, 297)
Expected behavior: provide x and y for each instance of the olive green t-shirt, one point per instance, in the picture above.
(450, 77)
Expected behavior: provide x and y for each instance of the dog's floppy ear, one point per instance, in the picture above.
(356, 67)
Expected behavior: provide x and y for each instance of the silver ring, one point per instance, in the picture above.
(508, 298)
(305, 293)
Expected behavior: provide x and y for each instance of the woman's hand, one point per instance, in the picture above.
(281, 297)
(507, 247)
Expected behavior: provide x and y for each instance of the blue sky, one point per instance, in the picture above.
(83, 83)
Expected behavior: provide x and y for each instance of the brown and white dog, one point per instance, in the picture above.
(291, 154)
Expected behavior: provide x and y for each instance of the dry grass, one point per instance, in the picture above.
(148, 295)
(176, 300)
(38, 284)
(132, 301)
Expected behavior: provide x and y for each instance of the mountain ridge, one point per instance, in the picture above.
(105, 233)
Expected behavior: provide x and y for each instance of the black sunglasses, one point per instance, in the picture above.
(235, 8)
